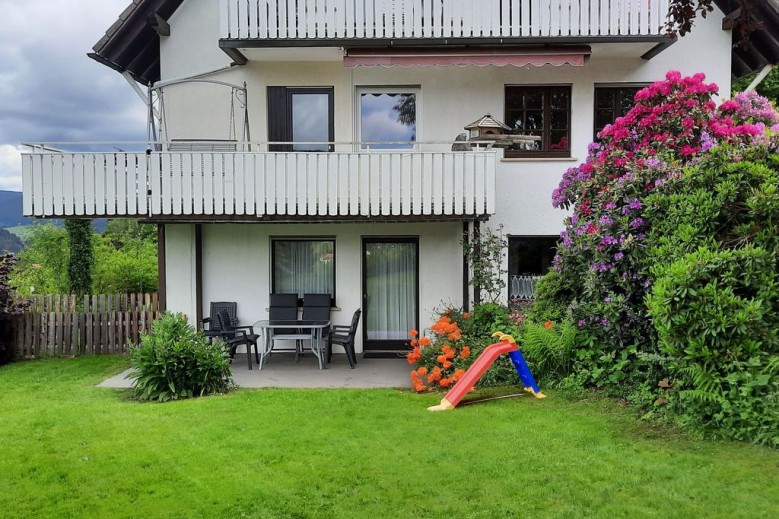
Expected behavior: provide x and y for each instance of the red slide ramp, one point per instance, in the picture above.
(474, 373)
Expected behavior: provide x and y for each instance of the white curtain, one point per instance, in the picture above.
(391, 282)
(303, 267)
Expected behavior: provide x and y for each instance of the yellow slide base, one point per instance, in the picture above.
(537, 395)
(443, 406)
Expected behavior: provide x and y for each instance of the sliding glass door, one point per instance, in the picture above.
(390, 292)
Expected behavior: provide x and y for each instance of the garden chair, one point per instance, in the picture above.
(285, 307)
(210, 325)
(316, 307)
(235, 336)
(344, 336)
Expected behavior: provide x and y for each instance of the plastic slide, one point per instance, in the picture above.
(482, 364)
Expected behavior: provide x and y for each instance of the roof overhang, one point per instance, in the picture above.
(762, 48)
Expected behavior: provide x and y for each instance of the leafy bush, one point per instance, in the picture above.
(174, 361)
(717, 315)
(552, 296)
(9, 306)
(548, 349)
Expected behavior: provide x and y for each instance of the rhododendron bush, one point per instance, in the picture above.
(603, 261)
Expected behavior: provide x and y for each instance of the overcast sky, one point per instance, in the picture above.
(50, 90)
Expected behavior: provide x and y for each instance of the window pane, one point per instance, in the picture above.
(559, 120)
(303, 267)
(559, 99)
(604, 98)
(538, 112)
(388, 118)
(310, 121)
(558, 140)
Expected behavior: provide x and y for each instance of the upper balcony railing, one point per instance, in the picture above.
(251, 185)
(427, 19)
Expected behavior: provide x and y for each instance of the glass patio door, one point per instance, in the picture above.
(390, 292)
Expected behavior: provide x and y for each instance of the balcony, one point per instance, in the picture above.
(260, 185)
(277, 23)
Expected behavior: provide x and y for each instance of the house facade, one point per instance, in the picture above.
(309, 146)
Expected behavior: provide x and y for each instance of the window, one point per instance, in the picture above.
(542, 115)
(301, 115)
(388, 118)
(529, 259)
(612, 102)
(303, 266)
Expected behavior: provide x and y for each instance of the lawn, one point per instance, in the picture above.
(72, 450)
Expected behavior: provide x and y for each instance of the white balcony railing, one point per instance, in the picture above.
(259, 184)
(397, 19)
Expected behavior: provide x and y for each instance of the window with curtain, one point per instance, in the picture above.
(542, 114)
(303, 266)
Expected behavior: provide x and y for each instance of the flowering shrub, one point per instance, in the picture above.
(602, 260)
(439, 362)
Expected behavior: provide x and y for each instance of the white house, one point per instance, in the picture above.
(306, 145)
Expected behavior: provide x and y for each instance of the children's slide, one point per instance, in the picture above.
(482, 364)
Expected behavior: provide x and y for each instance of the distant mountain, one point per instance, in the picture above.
(11, 213)
(11, 210)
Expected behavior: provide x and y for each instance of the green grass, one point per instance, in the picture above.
(68, 449)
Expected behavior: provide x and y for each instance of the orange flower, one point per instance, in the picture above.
(446, 364)
(436, 374)
(447, 351)
(413, 333)
(424, 341)
(548, 325)
(445, 382)
(413, 356)
(466, 315)
(465, 352)
(441, 359)
(455, 336)
(414, 342)
(422, 370)
(458, 374)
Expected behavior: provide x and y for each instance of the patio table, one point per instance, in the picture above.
(316, 330)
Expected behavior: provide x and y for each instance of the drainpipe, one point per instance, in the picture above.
(466, 271)
(477, 253)
(760, 77)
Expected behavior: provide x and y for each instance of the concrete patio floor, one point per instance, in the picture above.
(280, 370)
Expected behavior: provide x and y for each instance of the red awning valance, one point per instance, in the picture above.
(479, 57)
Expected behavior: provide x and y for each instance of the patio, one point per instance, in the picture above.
(281, 370)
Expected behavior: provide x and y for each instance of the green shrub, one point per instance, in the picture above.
(717, 316)
(549, 349)
(174, 361)
(552, 296)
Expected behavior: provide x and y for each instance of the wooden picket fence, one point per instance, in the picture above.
(55, 325)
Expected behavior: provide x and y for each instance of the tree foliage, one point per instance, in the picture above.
(125, 260)
(682, 14)
(81, 256)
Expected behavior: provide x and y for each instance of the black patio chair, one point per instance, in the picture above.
(210, 325)
(344, 336)
(235, 336)
(316, 307)
(284, 307)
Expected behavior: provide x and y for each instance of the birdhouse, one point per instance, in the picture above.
(486, 127)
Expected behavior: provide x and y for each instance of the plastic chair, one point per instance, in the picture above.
(344, 336)
(211, 326)
(316, 307)
(235, 336)
(284, 307)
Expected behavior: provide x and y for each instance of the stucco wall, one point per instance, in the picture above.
(450, 97)
(236, 265)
